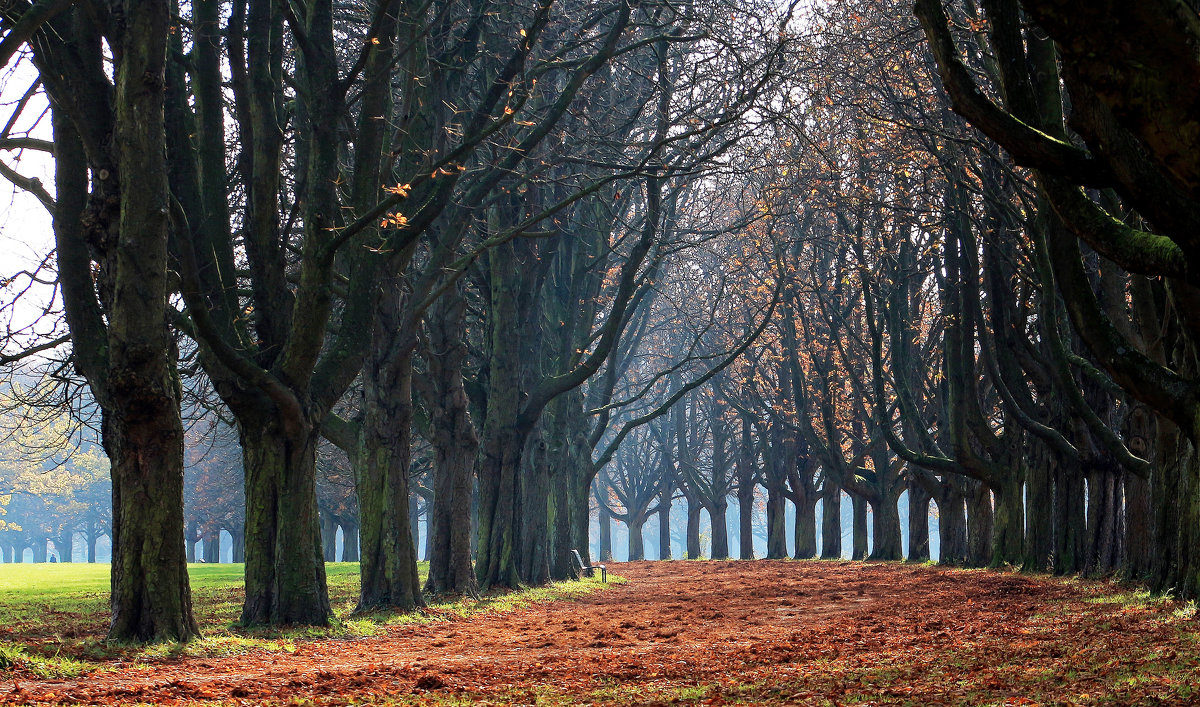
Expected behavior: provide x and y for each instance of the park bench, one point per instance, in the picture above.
(589, 570)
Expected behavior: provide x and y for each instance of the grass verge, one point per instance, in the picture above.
(53, 617)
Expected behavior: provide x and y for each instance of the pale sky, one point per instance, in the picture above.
(25, 225)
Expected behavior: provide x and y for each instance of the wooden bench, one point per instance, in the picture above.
(589, 570)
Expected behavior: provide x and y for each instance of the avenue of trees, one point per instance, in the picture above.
(515, 266)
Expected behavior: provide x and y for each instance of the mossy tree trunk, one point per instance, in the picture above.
(117, 311)
(285, 568)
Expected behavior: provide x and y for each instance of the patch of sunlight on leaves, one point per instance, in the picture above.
(499, 603)
(14, 658)
(1139, 597)
(216, 646)
(362, 627)
(1185, 612)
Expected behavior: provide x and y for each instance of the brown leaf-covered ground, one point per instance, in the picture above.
(754, 632)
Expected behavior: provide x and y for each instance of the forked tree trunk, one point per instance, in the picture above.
(506, 429)
(388, 561)
(285, 569)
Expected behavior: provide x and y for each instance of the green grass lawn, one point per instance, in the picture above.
(45, 600)
(54, 616)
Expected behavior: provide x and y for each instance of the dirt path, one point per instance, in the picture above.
(789, 632)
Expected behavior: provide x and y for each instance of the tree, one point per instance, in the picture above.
(118, 316)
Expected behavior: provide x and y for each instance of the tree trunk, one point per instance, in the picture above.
(1104, 529)
(885, 520)
(455, 444)
(777, 521)
(918, 523)
(238, 553)
(189, 541)
(388, 554)
(637, 548)
(979, 525)
(212, 546)
(151, 595)
(745, 499)
(65, 546)
(93, 535)
(806, 529)
(1139, 520)
(720, 529)
(1008, 530)
(605, 534)
(533, 555)
(328, 538)
(1039, 516)
(350, 543)
(500, 498)
(505, 430)
(952, 528)
(563, 477)
(831, 525)
(1069, 519)
(693, 529)
(285, 569)
(414, 520)
(664, 522)
(859, 507)
(140, 392)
